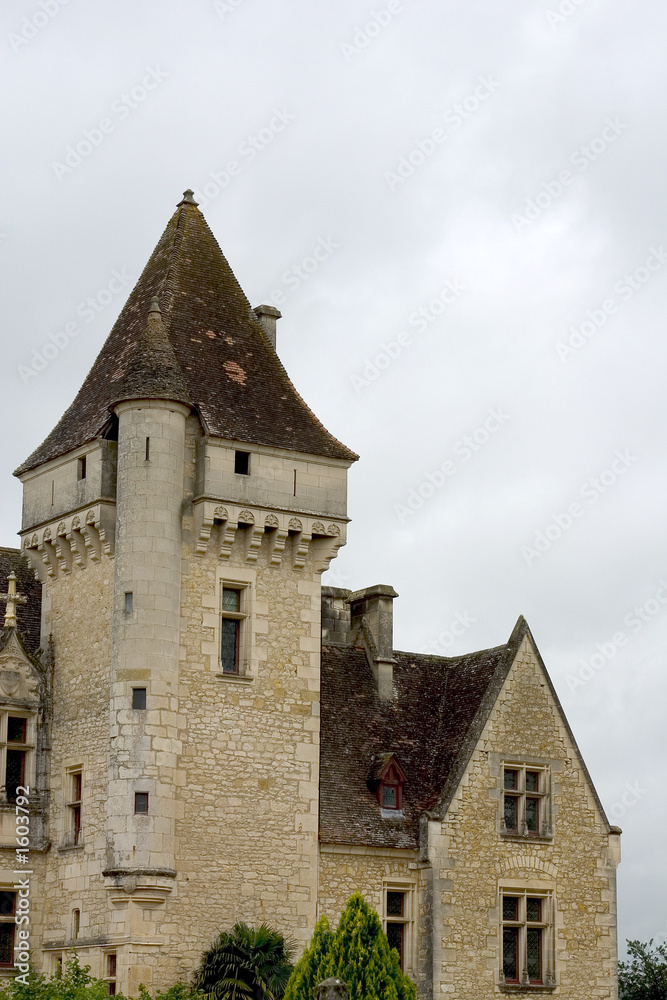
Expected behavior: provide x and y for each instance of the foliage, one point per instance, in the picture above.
(245, 964)
(313, 966)
(179, 991)
(644, 977)
(358, 953)
(73, 983)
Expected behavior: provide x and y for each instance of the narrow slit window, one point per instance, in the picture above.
(81, 467)
(139, 698)
(242, 463)
(74, 808)
(129, 601)
(148, 449)
(76, 923)
(295, 482)
(141, 803)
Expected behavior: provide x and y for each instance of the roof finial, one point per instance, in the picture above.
(12, 599)
(155, 306)
(188, 198)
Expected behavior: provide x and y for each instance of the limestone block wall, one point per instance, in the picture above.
(472, 861)
(56, 488)
(281, 479)
(77, 612)
(247, 785)
(346, 869)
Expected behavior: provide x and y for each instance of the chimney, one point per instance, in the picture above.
(372, 611)
(268, 317)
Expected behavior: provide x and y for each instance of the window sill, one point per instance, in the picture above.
(236, 678)
(527, 838)
(396, 814)
(66, 848)
(526, 988)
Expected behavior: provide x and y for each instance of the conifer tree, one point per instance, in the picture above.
(313, 966)
(358, 954)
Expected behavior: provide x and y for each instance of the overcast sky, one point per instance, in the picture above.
(459, 209)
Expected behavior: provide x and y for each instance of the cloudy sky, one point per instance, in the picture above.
(459, 209)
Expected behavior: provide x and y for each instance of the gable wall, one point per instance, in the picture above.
(470, 857)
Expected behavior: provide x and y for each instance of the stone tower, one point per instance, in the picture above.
(179, 517)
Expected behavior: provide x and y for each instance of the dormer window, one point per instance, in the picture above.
(387, 780)
(391, 789)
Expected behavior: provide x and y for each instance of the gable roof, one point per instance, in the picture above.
(437, 699)
(433, 726)
(231, 372)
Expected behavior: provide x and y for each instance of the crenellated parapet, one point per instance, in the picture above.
(220, 527)
(69, 543)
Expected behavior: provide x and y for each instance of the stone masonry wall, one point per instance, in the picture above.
(472, 859)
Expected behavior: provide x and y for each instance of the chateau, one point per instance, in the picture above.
(195, 732)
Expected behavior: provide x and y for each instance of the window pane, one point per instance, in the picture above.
(395, 904)
(534, 910)
(229, 652)
(395, 936)
(139, 698)
(140, 802)
(111, 964)
(534, 954)
(389, 800)
(510, 908)
(510, 954)
(76, 787)
(230, 599)
(532, 813)
(7, 901)
(6, 944)
(76, 825)
(511, 812)
(511, 778)
(15, 772)
(532, 781)
(16, 730)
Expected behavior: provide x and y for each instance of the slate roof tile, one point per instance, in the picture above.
(231, 372)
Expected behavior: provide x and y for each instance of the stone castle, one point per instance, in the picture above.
(199, 733)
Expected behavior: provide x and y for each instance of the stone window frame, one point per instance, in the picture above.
(27, 747)
(409, 890)
(545, 892)
(69, 841)
(236, 578)
(522, 763)
(110, 969)
(10, 920)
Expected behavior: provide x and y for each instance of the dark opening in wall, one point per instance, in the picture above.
(242, 463)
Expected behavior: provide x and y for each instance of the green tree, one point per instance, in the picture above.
(73, 983)
(358, 954)
(313, 966)
(644, 977)
(245, 963)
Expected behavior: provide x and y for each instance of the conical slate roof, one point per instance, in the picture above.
(228, 369)
(152, 371)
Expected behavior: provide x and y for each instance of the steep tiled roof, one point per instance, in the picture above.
(152, 371)
(427, 725)
(28, 615)
(231, 371)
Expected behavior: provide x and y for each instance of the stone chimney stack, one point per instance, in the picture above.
(372, 609)
(268, 317)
